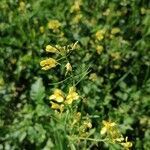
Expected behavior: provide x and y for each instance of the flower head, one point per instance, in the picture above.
(51, 49)
(100, 35)
(108, 126)
(99, 49)
(54, 24)
(22, 6)
(57, 106)
(115, 30)
(42, 29)
(115, 55)
(68, 68)
(57, 96)
(127, 145)
(72, 95)
(76, 6)
(93, 76)
(48, 63)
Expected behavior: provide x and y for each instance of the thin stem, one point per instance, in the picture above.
(69, 78)
(86, 73)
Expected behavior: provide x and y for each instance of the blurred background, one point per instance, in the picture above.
(113, 43)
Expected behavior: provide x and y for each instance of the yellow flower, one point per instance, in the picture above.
(115, 55)
(116, 67)
(87, 124)
(68, 68)
(76, 6)
(51, 49)
(99, 49)
(54, 24)
(57, 106)
(100, 35)
(115, 30)
(72, 95)
(48, 63)
(108, 126)
(93, 77)
(127, 145)
(57, 96)
(22, 6)
(41, 29)
(77, 18)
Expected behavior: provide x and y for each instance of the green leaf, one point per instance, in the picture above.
(37, 92)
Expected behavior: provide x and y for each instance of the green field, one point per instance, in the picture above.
(74, 75)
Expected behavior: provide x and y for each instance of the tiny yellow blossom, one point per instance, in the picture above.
(115, 55)
(72, 95)
(58, 96)
(22, 6)
(127, 145)
(76, 6)
(51, 49)
(42, 29)
(99, 49)
(116, 67)
(48, 63)
(57, 106)
(68, 68)
(54, 24)
(93, 77)
(108, 126)
(77, 18)
(100, 35)
(87, 124)
(115, 30)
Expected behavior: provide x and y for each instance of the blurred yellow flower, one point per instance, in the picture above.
(127, 145)
(22, 6)
(107, 126)
(93, 76)
(99, 49)
(51, 49)
(58, 96)
(115, 55)
(54, 24)
(72, 95)
(115, 30)
(100, 35)
(77, 18)
(87, 124)
(116, 67)
(76, 6)
(48, 63)
(68, 68)
(42, 29)
(57, 106)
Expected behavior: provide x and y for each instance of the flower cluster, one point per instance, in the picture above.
(62, 51)
(59, 100)
(113, 134)
(48, 63)
(80, 126)
(54, 25)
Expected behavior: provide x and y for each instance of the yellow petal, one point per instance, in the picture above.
(48, 63)
(103, 130)
(51, 49)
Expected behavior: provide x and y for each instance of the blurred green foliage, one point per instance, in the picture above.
(117, 87)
